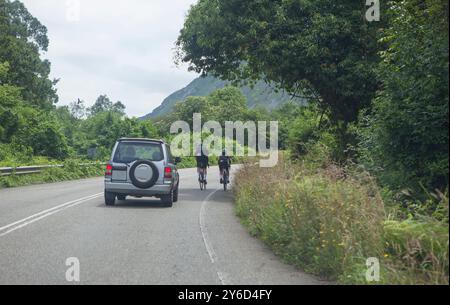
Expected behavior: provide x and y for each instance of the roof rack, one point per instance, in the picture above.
(141, 140)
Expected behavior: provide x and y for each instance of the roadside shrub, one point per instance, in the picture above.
(418, 251)
(329, 220)
(319, 221)
(12, 154)
(72, 170)
(305, 131)
(311, 132)
(405, 205)
(42, 132)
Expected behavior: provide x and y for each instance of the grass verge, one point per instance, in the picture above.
(329, 222)
(71, 171)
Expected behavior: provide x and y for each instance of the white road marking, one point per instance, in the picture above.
(208, 245)
(209, 248)
(41, 215)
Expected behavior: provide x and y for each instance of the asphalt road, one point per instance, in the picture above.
(198, 241)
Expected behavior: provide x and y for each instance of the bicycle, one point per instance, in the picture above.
(201, 179)
(225, 180)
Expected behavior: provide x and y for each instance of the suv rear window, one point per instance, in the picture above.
(128, 152)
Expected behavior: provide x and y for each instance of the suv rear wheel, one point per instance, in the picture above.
(167, 200)
(110, 198)
(175, 194)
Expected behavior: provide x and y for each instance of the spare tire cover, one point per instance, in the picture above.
(144, 174)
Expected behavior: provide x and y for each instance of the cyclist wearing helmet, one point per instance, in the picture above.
(202, 163)
(224, 165)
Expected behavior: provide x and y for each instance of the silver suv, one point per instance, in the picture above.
(142, 168)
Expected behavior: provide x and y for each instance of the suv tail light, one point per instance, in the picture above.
(108, 171)
(168, 173)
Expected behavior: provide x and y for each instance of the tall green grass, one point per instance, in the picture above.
(328, 222)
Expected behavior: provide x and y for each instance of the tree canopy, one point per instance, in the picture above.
(405, 139)
(103, 103)
(322, 49)
(22, 39)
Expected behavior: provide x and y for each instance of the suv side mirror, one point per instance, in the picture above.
(177, 160)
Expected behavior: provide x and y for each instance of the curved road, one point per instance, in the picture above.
(198, 241)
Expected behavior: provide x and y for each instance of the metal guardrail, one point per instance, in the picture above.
(27, 170)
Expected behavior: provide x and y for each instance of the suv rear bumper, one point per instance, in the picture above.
(129, 189)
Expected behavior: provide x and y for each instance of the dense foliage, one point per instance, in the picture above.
(31, 125)
(22, 38)
(404, 139)
(388, 79)
(318, 49)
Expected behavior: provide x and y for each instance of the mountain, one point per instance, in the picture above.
(260, 95)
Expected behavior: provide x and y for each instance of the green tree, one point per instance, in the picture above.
(184, 111)
(104, 104)
(322, 49)
(147, 129)
(70, 124)
(304, 131)
(42, 132)
(228, 104)
(119, 107)
(22, 38)
(405, 138)
(10, 100)
(163, 123)
(102, 130)
(285, 114)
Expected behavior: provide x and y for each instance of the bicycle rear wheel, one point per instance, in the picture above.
(225, 182)
(200, 181)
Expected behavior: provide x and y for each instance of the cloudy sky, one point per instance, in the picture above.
(120, 48)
